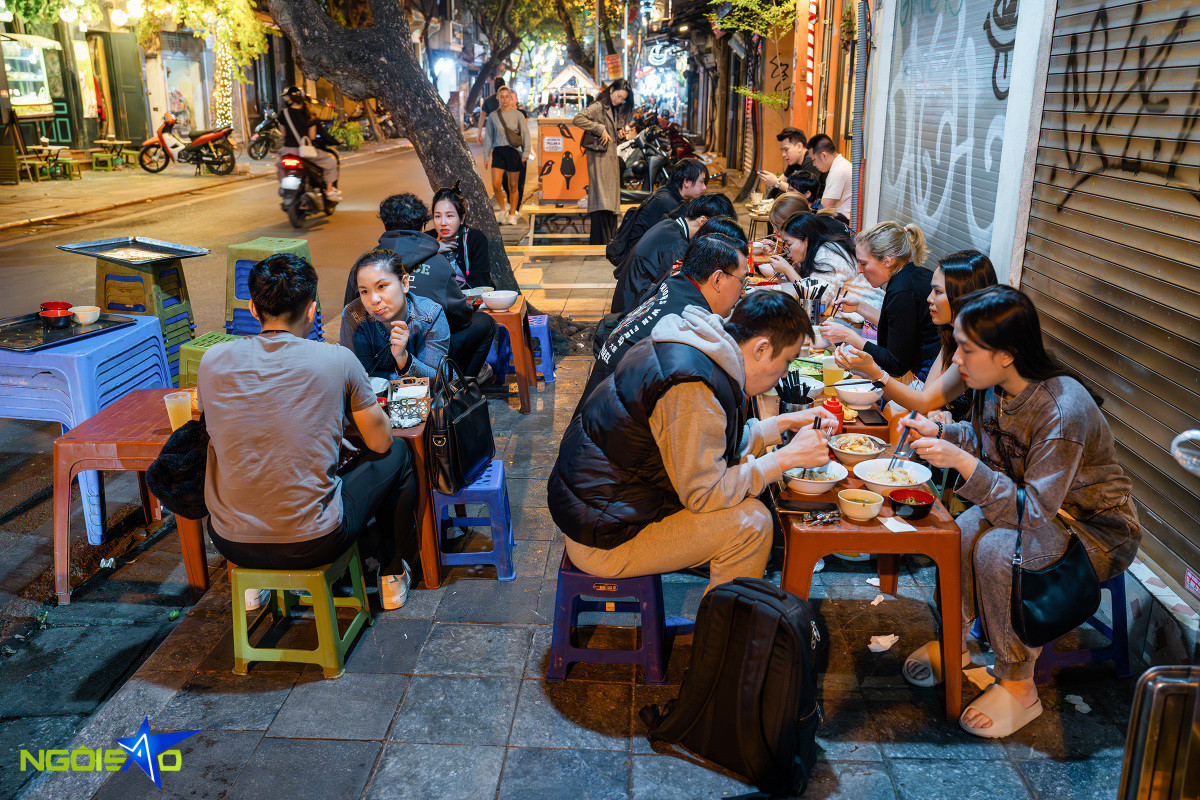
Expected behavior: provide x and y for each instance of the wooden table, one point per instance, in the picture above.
(113, 146)
(49, 154)
(516, 321)
(535, 210)
(936, 536)
(127, 435)
(427, 533)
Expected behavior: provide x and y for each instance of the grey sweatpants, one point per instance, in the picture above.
(736, 542)
(990, 573)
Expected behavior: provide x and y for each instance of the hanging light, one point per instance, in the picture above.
(6, 16)
(82, 26)
(68, 14)
(135, 9)
(118, 17)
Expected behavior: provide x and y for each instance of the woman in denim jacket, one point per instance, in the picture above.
(393, 333)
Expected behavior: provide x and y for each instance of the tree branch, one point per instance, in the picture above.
(574, 49)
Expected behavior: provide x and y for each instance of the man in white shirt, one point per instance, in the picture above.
(838, 174)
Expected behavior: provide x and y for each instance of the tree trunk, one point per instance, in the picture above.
(574, 50)
(380, 62)
(608, 40)
(721, 100)
(488, 69)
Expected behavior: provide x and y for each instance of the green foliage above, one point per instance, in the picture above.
(47, 10)
(239, 28)
(350, 134)
(775, 100)
(770, 19)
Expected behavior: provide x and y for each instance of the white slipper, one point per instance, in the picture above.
(930, 655)
(1007, 713)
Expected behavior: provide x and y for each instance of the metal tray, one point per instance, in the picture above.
(26, 333)
(170, 251)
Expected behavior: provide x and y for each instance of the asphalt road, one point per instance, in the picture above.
(32, 270)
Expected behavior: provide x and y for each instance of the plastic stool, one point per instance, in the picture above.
(243, 323)
(191, 352)
(102, 160)
(1116, 651)
(490, 490)
(331, 646)
(647, 598)
(500, 356)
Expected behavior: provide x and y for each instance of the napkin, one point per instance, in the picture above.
(881, 643)
(896, 525)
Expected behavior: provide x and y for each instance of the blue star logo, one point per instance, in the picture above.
(144, 748)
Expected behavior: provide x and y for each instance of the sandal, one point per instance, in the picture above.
(930, 655)
(1006, 712)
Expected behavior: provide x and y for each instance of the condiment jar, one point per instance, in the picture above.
(834, 406)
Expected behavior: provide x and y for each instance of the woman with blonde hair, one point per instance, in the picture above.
(892, 253)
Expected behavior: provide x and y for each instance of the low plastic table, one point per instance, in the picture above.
(127, 435)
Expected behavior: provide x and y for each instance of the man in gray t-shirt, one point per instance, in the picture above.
(274, 406)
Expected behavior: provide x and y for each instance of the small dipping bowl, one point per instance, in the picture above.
(911, 504)
(860, 505)
(56, 318)
(56, 305)
(85, 315)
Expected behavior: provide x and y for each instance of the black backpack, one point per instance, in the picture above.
(620, 247)
(749, 698)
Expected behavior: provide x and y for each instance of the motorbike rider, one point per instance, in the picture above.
(298, 124)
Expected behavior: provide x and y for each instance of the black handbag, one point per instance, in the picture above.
(591, 141)
(1054, 600)
(458, 431)
(176, 477)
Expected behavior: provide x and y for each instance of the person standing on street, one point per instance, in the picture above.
(610, 112)
(506, 144)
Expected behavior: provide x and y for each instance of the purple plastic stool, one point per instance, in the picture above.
(1117, 650)
(490, 490)
(647, 599)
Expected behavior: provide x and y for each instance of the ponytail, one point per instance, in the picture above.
(890, 240)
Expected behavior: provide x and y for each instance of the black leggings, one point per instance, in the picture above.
(379, 485)
(469, 346)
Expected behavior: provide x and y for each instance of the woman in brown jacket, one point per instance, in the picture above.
(607, 114)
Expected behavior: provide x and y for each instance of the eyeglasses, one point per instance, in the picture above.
(744, 280)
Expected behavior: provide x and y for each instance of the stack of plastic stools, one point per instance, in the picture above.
(490, 490)
(330, 653)
(71, 382)
(191, 353)
(500, 356)
(642, 595)
(242, 258)
(1116, 651)
(158, 289)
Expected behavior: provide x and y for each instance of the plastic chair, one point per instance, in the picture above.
(500, 356)
(331, 649)
(69, 383)
(490, 490)
(643, 595)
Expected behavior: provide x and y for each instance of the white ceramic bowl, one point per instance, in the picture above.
(860, 396)
(849, 458)
(919, 473)
(810, 486)
(478, 291)
(859, 504)
(85, 315)
(499, 301)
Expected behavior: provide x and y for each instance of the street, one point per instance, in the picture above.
(32, 270)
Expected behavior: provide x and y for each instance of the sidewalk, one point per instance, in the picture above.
(43, 201)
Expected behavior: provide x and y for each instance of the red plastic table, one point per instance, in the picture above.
(127, 435)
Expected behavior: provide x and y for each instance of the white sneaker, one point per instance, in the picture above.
(333, 195)
(255, 598)
(514, 219)
(393, 589)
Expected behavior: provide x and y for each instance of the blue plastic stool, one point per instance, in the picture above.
(490, 490)
(647, 599)
(243, 323)
(1117, 650)
(71, 382)
(500, 356)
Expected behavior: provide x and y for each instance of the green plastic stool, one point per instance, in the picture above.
(331, 647)
(102, 160)
(191, 352)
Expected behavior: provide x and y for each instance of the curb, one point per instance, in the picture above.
(94, 210)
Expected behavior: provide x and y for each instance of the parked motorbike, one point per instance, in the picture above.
(649, 161)
(302, 189)
(267, 137)
(210, 148)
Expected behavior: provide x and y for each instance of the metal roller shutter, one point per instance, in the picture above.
(1112, 254)
(947, 98)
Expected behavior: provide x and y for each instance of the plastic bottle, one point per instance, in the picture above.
(834, 406)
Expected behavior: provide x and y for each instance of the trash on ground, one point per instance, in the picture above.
(881, 643)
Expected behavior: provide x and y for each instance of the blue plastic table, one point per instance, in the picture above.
(71, 382)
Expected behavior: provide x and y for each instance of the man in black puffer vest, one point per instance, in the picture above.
(661, 471)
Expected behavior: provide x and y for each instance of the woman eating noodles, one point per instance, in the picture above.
(1037, 432)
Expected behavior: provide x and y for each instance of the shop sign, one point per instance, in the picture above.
(612, 63)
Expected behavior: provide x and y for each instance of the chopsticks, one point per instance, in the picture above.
(900, 444)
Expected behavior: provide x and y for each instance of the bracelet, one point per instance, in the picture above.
(939, 434)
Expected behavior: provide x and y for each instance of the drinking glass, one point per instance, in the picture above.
(179, 408)
(831, 373)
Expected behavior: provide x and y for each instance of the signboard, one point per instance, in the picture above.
(1192, 581)
(612, 64)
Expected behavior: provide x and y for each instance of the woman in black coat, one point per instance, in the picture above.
(466, 248)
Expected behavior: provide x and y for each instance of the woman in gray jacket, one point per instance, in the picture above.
(1036, 426)
(505, 147)
(607, 114)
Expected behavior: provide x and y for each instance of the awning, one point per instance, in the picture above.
(573, 77)
(32, 41)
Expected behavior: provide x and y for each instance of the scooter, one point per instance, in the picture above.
(267, 137)
(210, 149)
(302, 189)
(648, 165)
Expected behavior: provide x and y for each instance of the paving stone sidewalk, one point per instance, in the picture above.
(445, 698)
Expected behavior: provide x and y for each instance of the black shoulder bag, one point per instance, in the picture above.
(458, 432)
(176, 477)
(1054, 600)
